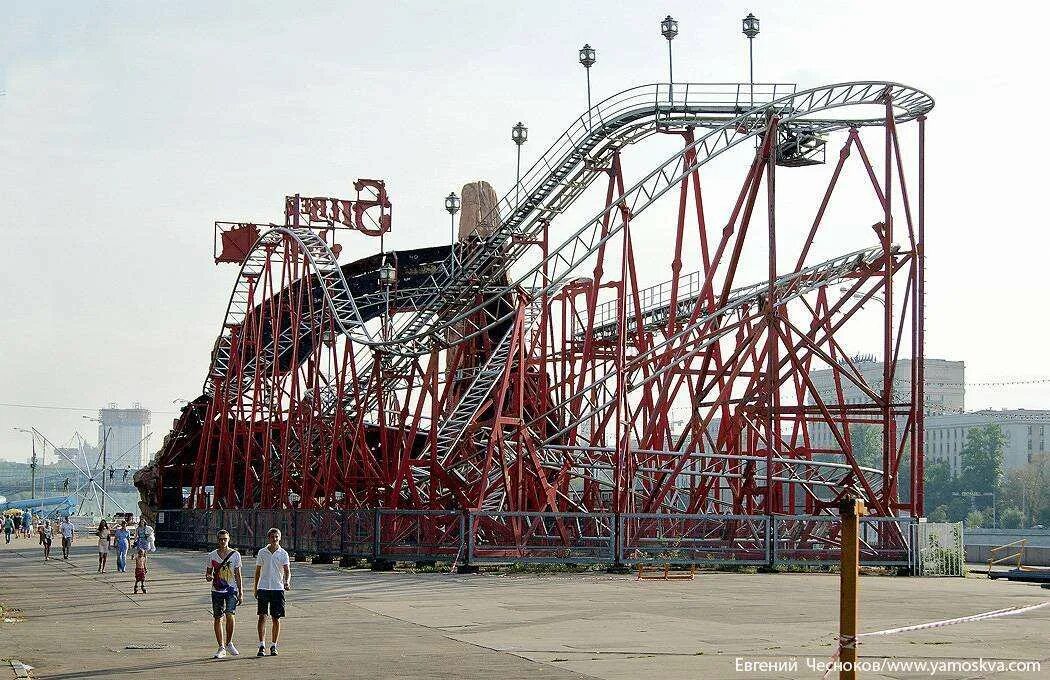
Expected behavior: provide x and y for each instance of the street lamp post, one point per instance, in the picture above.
(750, 27)
(518, 134)
(669, 29)
(32, 461)
(452, 204)
(588, 57)
(387, 279)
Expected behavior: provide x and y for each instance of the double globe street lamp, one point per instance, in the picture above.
(452, 205)
(669, 29)
(750, 29)
(518, 134)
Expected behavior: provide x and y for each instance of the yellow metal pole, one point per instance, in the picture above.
(850, 511)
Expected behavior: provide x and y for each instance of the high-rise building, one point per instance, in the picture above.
(126, 434)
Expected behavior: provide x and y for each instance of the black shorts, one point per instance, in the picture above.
(224, 603)
(271, 602)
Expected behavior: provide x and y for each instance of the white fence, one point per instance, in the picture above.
(938, 549)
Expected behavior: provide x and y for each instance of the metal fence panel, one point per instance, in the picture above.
(320, 531)
(815, 540)
(694, 539)
(358, 533)
(419, 535)
(541, 537)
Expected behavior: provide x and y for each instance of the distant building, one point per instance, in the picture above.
(1027, 435)
(944, 390)
(127, 442)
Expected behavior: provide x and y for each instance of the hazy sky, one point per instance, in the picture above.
(127, 128)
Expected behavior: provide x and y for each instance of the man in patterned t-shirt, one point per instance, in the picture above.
(224, 567)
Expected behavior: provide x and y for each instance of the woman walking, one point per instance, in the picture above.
(103, 545)
(9, 526)
(122, 539)
(45, 538)
(143, 542)
(144, 537)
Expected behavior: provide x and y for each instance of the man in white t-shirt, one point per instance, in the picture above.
(224, 567)
(68, 530)
(273, 576)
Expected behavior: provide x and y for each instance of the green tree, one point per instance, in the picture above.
(958, 508)
(939, 514)
(1011, 518)
(866, 441)
(975, 519)
(1027, 488)
(939, 484)
(982, 459)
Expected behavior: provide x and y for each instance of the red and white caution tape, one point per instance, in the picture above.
(1009, 611)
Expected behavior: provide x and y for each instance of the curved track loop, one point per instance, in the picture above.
(322, 261)
(448, 312)
(553, 184)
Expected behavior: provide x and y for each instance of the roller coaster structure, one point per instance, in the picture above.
(530, 370)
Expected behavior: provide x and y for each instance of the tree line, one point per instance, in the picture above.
(982, 494)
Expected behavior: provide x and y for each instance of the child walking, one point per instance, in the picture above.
(140, 570)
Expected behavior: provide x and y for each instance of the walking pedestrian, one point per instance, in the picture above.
(27, 521)
(67, 530)
(103, 545)
(273, 576)
(45, 538)
(127, 471)
(144, 537)
(122, 541)
(224, 566)
(140, 570)
(9, 526)
(16, 519)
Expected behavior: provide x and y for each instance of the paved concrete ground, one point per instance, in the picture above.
(358, 624)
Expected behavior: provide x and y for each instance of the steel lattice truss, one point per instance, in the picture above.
(538, 373)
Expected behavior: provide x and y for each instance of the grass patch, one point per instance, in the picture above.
(544, 568)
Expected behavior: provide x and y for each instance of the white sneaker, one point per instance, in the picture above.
(232, 650)
(221, 654)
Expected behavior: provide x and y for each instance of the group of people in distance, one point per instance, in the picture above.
(273, 577)
(121, 538)
(17, 523)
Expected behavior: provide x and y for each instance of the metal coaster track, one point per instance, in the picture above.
(485, 258)
(559, 177)
(358, 432)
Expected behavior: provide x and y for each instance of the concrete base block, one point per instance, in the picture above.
(466, 568)
(382, 565)
(348, 562)
(323, 558)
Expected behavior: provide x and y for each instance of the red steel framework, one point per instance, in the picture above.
(541, 374)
